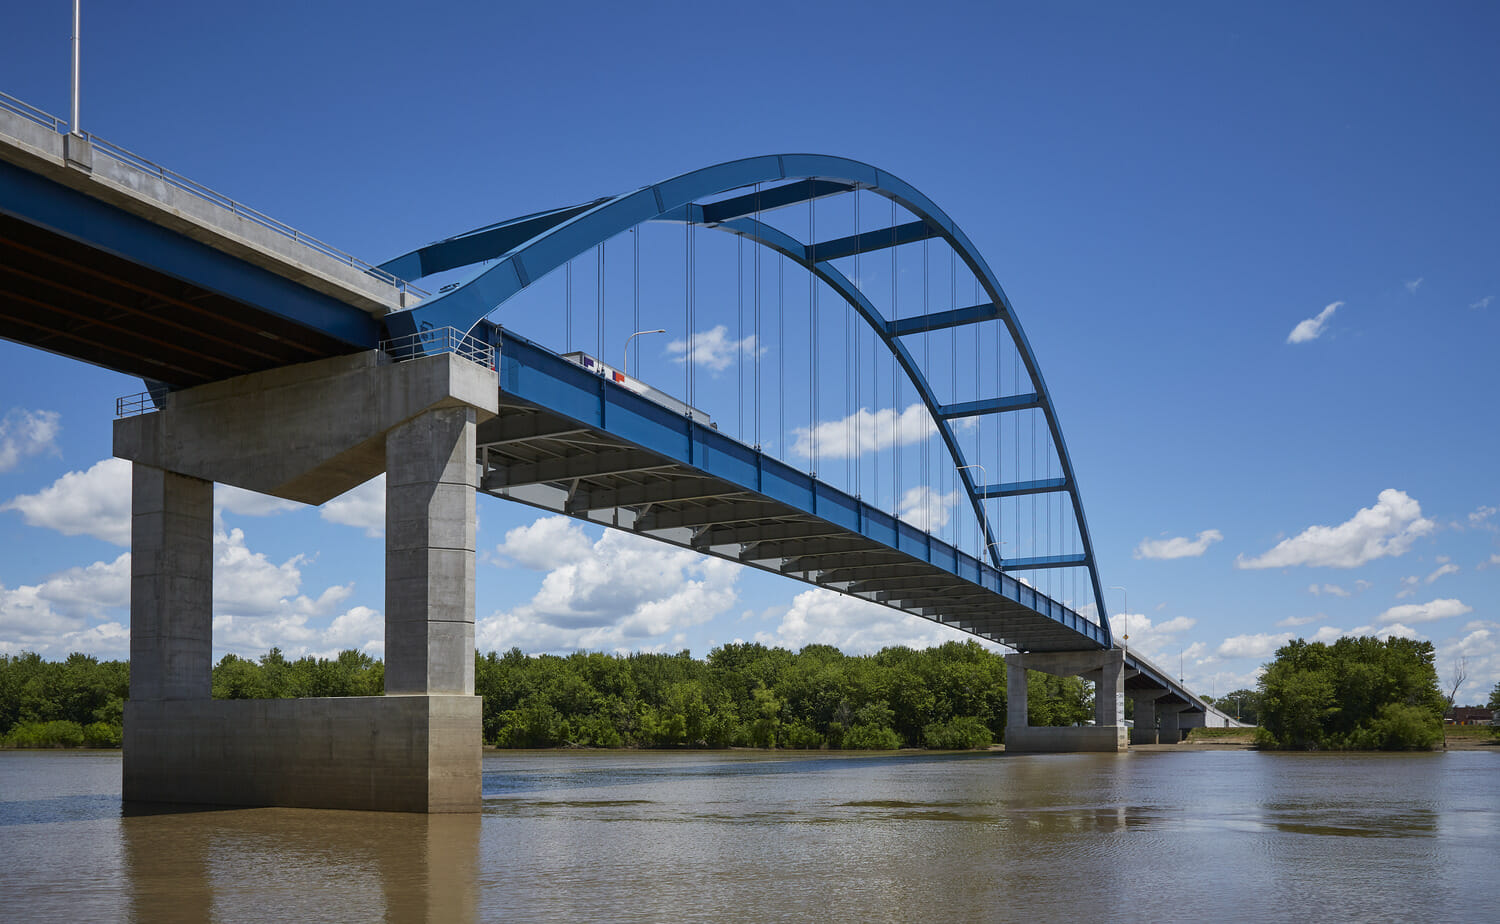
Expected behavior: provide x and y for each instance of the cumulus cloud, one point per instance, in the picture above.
(1258, 645)
(26, 433)
(1385, 530)
(1412, 285)
(1409, 586)
(1153, 639)
(853, 625)
(1332, 590)
(48, 616)
(1431, 611)
(925, 508)
(1492, 562)
(714, 349)
(362, 507)
(90, 503)
(230, 499)
(1178, 547)
(1312, 328)
(864, 431)
(622, 592)
(1444, 569)
(1483, 302)
(1292, 622)
(1479, 518)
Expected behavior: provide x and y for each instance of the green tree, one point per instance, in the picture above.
(1356, 693)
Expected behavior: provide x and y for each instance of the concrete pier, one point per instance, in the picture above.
(309, 433)
(1105, 668)
(1144, 731)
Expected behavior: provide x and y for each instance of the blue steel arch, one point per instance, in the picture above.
(528, 248)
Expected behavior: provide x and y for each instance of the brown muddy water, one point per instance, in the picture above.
(746, 836)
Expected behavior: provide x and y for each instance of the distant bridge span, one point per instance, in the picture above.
(272, 361)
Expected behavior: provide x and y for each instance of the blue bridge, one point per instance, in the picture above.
(847, 398)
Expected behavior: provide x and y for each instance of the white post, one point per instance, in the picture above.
(77, 21)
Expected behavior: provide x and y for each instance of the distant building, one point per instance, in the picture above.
(1469, 715)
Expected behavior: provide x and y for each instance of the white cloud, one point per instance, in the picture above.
(92, 503)
(1431, 611)
(864, 431)
(1492, 562)
(1178, 547)
(249, 503)
(623, 592)
(1312, 328)
(1483, 302)
(854, 626)
(362, 507)
(1155, 640)
(26, 433)
(1384, 530)
(1412, 285)
(1409, 586)
(547, 543)
(53, 617)
(713, 349)
(925, 508)
(1333, 590)
(1259, 645)
(1480, 516)
(1292, 622)
(1445, 569)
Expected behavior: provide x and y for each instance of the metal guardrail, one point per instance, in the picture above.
(135, 405)
(440, 340)
(109, 149)
(28, 111)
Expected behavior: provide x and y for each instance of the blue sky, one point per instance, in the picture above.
(1173, 198)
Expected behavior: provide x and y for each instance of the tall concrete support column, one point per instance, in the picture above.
(429, 553)
(171, 585)
(1144, 731)
(1016, 704)
(1107, 670)
(1109, 690)
(1170, 731)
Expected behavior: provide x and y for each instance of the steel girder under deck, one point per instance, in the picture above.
(571, 442)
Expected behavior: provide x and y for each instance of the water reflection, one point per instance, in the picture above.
(299, 864)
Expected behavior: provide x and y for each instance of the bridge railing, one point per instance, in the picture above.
(28, 111)
(135, 405)
(440, 340)
(109, 149)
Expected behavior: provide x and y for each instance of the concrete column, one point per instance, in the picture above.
(429, 557)
(1169, 732)
(1144, 731)
(1109, 690)
(171, 585)
(1015, 692)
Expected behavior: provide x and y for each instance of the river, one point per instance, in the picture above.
(748, 836)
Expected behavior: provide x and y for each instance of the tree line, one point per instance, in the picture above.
(950, 697)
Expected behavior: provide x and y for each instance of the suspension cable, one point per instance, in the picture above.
(758, 350)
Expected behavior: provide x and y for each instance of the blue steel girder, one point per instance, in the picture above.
(517, 265)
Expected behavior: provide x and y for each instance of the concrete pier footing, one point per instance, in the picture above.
(309, 433)
(1105, 668)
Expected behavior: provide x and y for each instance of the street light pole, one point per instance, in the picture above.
(1124, 615)
(625, 366)
(983, 512)
(77, 24)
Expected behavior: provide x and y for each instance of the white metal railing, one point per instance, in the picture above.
(440, 340)
(135, 405)
(181, 182)
(28, 111)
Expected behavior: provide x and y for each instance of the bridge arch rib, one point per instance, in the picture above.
(528, 248)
